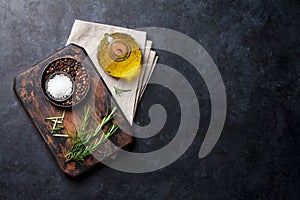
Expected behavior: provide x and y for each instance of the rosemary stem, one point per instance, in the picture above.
(85, 143)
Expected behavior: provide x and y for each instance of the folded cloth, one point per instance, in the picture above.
(88, 35)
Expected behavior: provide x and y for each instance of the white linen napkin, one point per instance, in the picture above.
(88, 35)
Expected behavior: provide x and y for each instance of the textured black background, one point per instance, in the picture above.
(255, 45)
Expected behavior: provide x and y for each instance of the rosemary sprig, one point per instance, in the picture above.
(120, 91)
(57, 120)
(84, 142)
(60, 135)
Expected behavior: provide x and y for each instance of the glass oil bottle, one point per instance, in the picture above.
(119, 55)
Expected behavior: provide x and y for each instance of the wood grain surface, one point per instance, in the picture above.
(28, 90)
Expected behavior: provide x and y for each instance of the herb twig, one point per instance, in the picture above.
(120, 91)
(84, 142)
(57, 120)
(60, 135)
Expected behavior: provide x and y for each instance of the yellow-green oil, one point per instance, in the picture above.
(119, 55)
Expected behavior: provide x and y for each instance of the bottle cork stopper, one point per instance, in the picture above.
(119, 48)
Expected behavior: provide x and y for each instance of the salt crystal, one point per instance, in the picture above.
(60, 86)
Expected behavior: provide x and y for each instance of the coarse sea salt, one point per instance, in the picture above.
(60, 87)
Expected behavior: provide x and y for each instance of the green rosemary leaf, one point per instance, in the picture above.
(61, 135)
(53, 118)
(58, 122)
(86, 142)
(63, 115)
(120, 91)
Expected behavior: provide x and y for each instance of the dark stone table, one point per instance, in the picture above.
(255, 45)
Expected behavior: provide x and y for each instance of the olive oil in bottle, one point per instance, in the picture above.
(119, 55)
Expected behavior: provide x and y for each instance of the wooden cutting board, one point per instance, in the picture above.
(28, 90)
